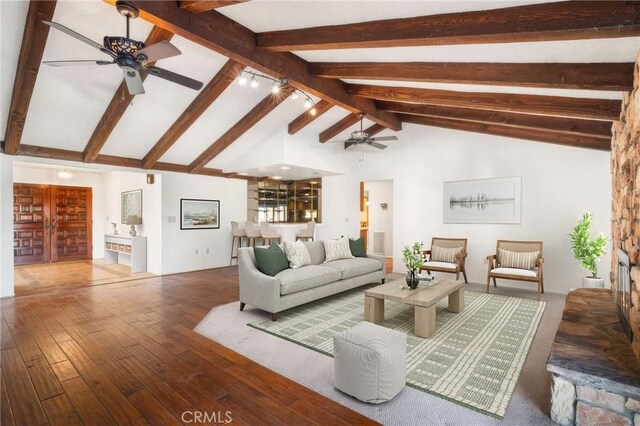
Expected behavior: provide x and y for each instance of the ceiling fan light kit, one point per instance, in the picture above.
(132, 56)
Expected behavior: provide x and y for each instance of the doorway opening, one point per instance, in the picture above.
(376, 218)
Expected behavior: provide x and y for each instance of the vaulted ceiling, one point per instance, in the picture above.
(548, 72)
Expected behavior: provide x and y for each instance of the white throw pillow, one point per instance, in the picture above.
(337, 249)
(297, 254)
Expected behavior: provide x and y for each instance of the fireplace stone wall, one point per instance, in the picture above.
(625, 215)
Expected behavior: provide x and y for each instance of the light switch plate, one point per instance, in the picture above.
(171, 219)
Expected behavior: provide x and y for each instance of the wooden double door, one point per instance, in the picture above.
(51, 223)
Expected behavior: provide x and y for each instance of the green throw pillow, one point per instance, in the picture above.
(357, 247)
(270, 260)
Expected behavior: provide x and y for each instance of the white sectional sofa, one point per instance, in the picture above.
(295, 287)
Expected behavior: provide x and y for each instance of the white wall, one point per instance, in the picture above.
(6, 226)
(23, 173)
(179, 246)
(380, 220)
(559, 184)
(115, 184)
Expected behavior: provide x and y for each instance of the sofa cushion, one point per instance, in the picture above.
(316, 251)
(305, 278)
(357, 266)
(270, 260)
(337, 249)
(443, 265)
(357, 247)
(532, 273)
(297, 254)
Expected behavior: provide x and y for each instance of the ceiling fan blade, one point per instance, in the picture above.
(157, 51)
(349, 144)
(78, 36)
(134, 82)
(377, 145)
(384, 138)
(76, 63)
(174, 78)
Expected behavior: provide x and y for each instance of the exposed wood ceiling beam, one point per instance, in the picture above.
(258, 112)
(205, 98)
(199, 6)
(223, 35)
(538, 135)
(594, 76)
(111, 160)
(597, 109)
(594, 128)
(306, 117)
(374, 129)
(539, 22)
(339, 127)
(118, 105)
(34, 40)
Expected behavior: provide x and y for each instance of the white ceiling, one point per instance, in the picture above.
(68, 102)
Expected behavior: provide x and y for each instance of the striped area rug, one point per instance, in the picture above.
(474, 359)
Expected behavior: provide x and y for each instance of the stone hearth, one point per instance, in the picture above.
(596, 375)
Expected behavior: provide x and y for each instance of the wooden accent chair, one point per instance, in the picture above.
(436, 264)
(514, 267)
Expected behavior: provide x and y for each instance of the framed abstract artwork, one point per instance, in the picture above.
(199, 214)
(131, 205)
(496, 200)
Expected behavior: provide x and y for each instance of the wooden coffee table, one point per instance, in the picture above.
(424, 299)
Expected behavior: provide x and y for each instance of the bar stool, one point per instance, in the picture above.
(253, 233)
(269, 234)
(307, 233)
(237, 235)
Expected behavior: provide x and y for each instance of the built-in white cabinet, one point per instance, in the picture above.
(126, 250)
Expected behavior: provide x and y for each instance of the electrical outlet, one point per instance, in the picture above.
(196, 251)
(207, 251)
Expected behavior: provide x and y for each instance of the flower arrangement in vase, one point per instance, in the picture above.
(413, 259)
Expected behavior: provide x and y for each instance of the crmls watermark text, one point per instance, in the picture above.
(212, 417)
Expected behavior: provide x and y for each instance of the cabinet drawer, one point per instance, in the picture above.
(127, 249)
(107, 246)
(120, 247)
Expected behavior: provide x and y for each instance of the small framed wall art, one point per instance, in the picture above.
(199, 214)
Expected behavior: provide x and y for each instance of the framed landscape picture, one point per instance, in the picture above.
(497, 200)
(131, 205)
(199, 214)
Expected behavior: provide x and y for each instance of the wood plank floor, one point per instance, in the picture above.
(126, 353)
(49, 277)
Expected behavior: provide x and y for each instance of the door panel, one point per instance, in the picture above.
(31, 240)
(71, 223)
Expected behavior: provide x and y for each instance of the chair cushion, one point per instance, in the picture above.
(305, 278)
(357, 247)
(517, 259)
(349, 268)
(297, 254)
(443, 265)
(270, 260)
(337, 249)
(515, 271)
(444, 254)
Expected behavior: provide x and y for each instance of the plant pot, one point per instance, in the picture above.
(591, 282)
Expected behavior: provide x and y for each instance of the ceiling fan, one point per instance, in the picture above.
(130, 55)
(360, 137)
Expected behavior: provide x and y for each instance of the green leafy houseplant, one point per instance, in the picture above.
(413, 257)
(585, 249)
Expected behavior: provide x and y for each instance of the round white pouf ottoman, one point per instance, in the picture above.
(370, 362)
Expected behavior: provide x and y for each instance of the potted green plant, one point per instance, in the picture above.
(413, 259)
(588, 250)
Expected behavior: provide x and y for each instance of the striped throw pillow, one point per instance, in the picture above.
(517, 259)
(444, 254)
(297, 254)
(337, 249)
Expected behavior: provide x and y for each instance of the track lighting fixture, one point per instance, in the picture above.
(276, 87)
